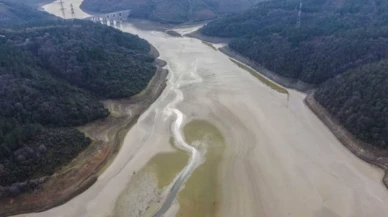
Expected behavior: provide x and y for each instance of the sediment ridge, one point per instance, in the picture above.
(197, 34)
(286, 82)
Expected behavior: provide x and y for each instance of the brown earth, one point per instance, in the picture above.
(107, 136)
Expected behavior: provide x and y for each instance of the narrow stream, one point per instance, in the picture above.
(175, 82)
(176, 186)
(180, 142)
(281, 160)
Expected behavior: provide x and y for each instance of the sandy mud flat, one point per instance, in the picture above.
(278, 160)
(107, 137)
(371, 154)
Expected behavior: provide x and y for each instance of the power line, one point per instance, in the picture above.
(72, 11)
(62, 8)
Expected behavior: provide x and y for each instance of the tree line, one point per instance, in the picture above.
(358, 99)
(169, 11)
(340, 46)
(16, 12)
(53, 75)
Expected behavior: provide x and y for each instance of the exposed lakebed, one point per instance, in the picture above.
(261, 151)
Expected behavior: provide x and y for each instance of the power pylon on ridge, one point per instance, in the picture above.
(62, 8)
(72, 11)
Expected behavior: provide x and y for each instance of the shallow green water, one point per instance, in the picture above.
(199, 197)
(167, 165)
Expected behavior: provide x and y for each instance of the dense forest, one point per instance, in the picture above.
(53, 74)
(358, 99)
(169, 11)
(33, 3)
(348, 38)
(333, 36)
(14, 12)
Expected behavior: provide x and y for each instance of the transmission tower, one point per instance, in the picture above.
(72, 11)
(62, 8)
(298, 21)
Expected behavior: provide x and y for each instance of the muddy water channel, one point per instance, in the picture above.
(223, 141)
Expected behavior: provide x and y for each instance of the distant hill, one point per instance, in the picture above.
(53, 74)
(340, 46)
(170, 11)
(333, 36)
(12, 12)
(33, 3)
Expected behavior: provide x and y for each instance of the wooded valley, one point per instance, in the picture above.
(15, 12)
(170, 11)
(53, 74)
(329, 38)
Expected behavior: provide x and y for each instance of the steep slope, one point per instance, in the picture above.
(53, 75)
(33, 3)
(170, 11)
(332, 37)
(347, 38)
(358, 99)
(13, 12)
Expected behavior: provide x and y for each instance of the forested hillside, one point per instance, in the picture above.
(347, 38)
(13, 12)
(33, 3)
(333, 36)
(358, 99)
(53, 75)
(170, 11)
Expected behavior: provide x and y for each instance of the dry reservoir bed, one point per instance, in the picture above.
(278, 158)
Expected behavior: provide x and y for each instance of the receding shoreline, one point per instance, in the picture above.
(286, 82)
(209, 39)
(107, 136)
(368, 153)
(145, 24)
(249, 179)
(173, 33)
